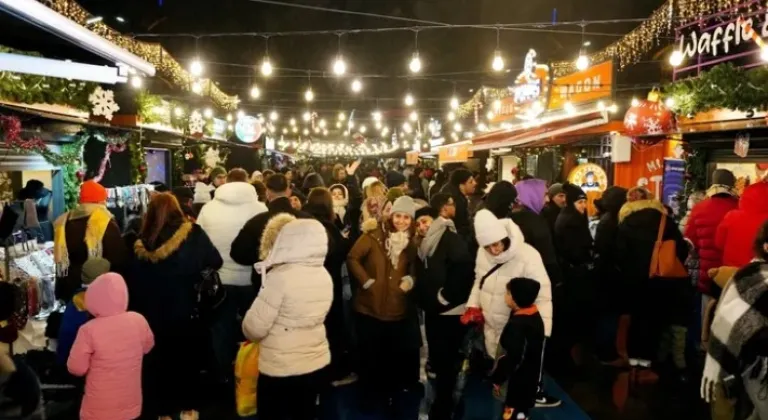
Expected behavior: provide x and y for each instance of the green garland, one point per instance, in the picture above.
(695, 171)
(138, 161)
(724, 86)
(155, 109)
(177, 158)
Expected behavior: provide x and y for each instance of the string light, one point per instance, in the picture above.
(363, 129)
(454, 103)
(378, 125)
(415, 64)
(407, 128)
(285, 130)
(338, 124)
(266, 68)
(356, 86)
(409, 100)
(196, 68)
(292, 122)
(613, 108)
(255, 92)
(676, 58)
(498, 62)
(229, 117)
(582, 63)
(451, 116)
(240, 114)
(490, 115)
(309, 96)
(274, 116)
(208, 113)
(325, 132)
(342, 117)
(178, 112)
(569, 108)
(497, 105)
(635, 102)
(457, 127)
(295, 129)
(339, 66)
(384, 131)
(305, 132)
(376, 115)
(137, 82)
(197, 88)
(414, 116)
(351, 125)
(307, 116)
(670, 102)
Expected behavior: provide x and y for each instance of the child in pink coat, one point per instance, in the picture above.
(109, 350)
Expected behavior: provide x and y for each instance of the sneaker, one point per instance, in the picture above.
(347, 380)
(545, 401)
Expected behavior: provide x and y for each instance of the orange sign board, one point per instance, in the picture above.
(646, 169)
(411, 158)
(454, 154)
(588, 85)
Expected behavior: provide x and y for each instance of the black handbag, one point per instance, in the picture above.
(210, 292)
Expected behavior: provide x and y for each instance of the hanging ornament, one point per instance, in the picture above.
(649, 118)
(212, 157)
(196, 123)
(103, 103)
(111, 148)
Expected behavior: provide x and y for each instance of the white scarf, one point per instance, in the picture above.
(340, 207)
(396, 243)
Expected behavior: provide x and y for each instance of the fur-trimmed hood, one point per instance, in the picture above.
(635, 206)
(288, 240)
(165, 250)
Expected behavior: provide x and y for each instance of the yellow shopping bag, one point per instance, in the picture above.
(246, 376)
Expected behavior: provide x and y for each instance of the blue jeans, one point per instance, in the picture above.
(227, 332)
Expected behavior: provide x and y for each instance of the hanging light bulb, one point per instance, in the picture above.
(196, 68)
(457, 127)
(240, 114)
(197, 88)
(635, 102)
(255, 92)
(274, 116)
(582, 62)
(409, 100)
(208, 113)
(305, 132)
(295, 129)
(601, 106)
(178, 112)
(322, 124)
(378, 125)
(309, 96)
(415, 64)
(266, 67)
(451, 116)
(339, 66)
(376, 115)
(414, 116)
(490, 115)
(292, 122)
(498, 62)
(342, 117)
(569, 108)
(307, 116)
(137, 82)
(356, 85)
(338, 124)
(363, 129)
(676, 58)
(285, 130)
(454, 103)
(325, 132)
(670, 102)
(229, 117)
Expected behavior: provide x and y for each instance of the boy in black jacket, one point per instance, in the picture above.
(521, 345)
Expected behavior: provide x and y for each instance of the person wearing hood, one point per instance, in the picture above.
(387, 328)
(171, 253)
(503, 256)
(287, 318)
(218, 177)
(234, 204)
(555, 203)
(611, 290)
(348, 201)
(740, 226)
(86, 232)
(444, 273)
(702, 225)
(109, 351)
(340, 196)
(639, 226)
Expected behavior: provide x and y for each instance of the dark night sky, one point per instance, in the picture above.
(466, 51)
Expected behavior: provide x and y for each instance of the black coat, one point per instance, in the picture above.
(573, 240)
(354, 208)
(245, 247)
(550, 213)
(449, 271)
(462, 220)
(537, 234)
(611, 285)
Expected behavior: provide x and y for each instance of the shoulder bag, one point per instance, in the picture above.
(664, 262)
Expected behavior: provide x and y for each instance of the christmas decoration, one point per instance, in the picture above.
(649, 118)
(138, 161)
(111, 148)
(212, 158)
(196, 123)
(695, 171)
(103, 102)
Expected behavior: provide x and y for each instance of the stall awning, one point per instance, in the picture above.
(528, 134)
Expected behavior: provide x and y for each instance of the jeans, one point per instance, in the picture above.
(227, 332)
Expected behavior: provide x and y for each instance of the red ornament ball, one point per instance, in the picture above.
(80, 174)
(649, 118)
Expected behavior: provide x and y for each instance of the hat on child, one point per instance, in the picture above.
(524, 291)
(93, 268)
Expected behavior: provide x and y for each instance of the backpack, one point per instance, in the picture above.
(664, 262)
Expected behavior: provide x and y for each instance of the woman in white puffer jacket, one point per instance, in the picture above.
(287, 318)
(502, 243)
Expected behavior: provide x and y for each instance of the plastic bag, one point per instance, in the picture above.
(246, 377)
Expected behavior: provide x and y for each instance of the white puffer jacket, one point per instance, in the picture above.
(520, 260)
(287, 317)
(233, 205)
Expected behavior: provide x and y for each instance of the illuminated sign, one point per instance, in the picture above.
(248, 129)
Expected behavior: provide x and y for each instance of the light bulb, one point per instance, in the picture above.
(582, 62)
(292, 122)
(415, 64)
(409, 100)
(676, 58)
(255, 92)
(342, 116)
(266, 68)
(764, 53)
(285, 130)
(497, 105)
(178, 112)
(414, 116)
(230, 128)
(454, 103)
(601, 106)
(635, 102)
(339, 66)
(309, 96)
(498, 61)
(670, 102)
(274, 116)
(240, 114)
(376, 115)
(363, 129)
(196, 68)
(338, 124)
(490, 115)
(451, 116)
(613, 108)
(351, 125)
(208, 113)
(197, 88)
(569, 107)
(306, 116)
(378, 125)
(295, 129)
(325, 132)
(137, 82)
(305, 132)
(229, 117)
(356, 85)
(457, 127)
(322, 123)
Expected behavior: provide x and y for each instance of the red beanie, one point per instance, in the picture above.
(92, 192)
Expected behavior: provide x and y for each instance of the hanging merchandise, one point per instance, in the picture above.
(103, 103)
(132, 197)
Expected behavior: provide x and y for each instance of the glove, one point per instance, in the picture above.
(406, 284)
(367, 285)
(472, 316)
(709, 379)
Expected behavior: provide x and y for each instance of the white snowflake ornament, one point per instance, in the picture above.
(653, 126)
(103, 102)
(212, 158)
(196, 123)
(630, 120)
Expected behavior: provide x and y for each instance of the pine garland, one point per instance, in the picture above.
(138, 161)
(695, 171)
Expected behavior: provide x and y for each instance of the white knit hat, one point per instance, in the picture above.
(488, 229)
(405, 205)
(368, 181)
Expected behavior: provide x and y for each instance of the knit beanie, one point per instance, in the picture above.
(524, 291)
(488, 229)
(92, 192)
(554, 190)
(573, 193)
(93, 268)
(394, 193)
(404, 205)
(426, 211)
(394, 179)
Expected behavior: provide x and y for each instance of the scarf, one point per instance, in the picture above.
(396, 243)
(98, 220)
(736, 321)
(340, 208)
(432, 238)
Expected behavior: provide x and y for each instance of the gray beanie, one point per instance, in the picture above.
(93, 268)
(554, 190)
(405, 205)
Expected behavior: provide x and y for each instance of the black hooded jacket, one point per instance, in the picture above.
(611, 284)
(462, 219)
(573, 240)
(449, 271)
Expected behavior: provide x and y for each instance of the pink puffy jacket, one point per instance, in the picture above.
(109, 350)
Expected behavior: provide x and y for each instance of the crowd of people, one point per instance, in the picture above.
(333, 273)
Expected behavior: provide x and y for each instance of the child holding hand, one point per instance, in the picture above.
(109, 350)
(520, 347)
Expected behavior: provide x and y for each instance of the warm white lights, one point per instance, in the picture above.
(356, 85)
(274, 116)
(305, 132)
(255, 92)
(601, 106)
(569, 108)
(306, 117)
(378, 125)
(208, 113)
(295, 129)
(497, 105)
(137, 82)
(415, 64)
(196, 68)
(451, 116)
(339, 66)
(376, 115)
(229, 117)
(342, 116)
(309, 96)
(613, 108)
(676, 58)
(407, 128)
(670, 102)
(197, 88)
(490, 115)
(363, 129)
(409, 100)
(285, 130)
(414, 116)
(498, 61)
(266, 68)
(351, 125)
(582, 62)
(292, 122)
(178, 112)
(322, 124)
(454, 103)
(338, 124)
(764, 53)
(635, 102)
(240, 114)
(457, 127)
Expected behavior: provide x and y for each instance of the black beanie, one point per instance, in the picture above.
(426, 211)
(573, 193)
(524, 291)
(394, 179)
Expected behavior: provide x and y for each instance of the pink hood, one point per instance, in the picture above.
(107, 296)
